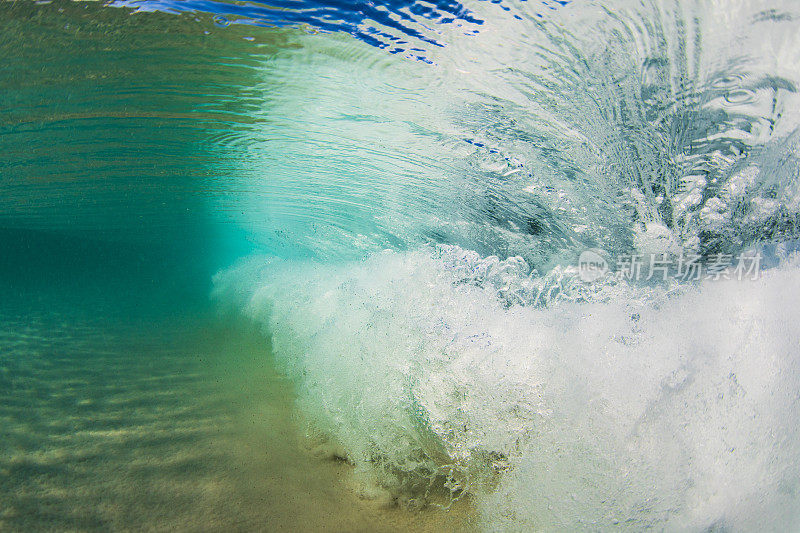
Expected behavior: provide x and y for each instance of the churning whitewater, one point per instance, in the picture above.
(638, 410)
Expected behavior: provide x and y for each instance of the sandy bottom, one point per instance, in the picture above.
(166, 427)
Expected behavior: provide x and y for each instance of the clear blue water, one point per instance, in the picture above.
(366, 220)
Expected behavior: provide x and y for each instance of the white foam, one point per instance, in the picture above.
(676, 412)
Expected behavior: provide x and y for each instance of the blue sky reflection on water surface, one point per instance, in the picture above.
(398, 26)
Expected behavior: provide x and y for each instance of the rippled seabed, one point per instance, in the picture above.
(395, 196)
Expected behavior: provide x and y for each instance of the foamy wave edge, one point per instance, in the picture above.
(593, 408)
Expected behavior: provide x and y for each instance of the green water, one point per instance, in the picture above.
(125, 402)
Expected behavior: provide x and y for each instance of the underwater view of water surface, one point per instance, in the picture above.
(401, 265)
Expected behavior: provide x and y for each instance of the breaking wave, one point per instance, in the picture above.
(419, 235)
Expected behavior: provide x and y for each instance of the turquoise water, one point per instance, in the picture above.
(336, 253)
